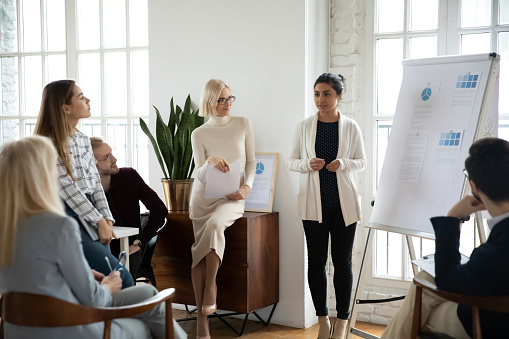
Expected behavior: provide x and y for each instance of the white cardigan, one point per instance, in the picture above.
(351, 157)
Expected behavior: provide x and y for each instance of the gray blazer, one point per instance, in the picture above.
(48, 259)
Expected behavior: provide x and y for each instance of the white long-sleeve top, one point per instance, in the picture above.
(351, 157)
(226, 137)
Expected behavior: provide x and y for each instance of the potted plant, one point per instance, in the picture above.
(174, 152)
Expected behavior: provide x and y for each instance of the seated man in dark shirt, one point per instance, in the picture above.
(124, 189)
(487, 271)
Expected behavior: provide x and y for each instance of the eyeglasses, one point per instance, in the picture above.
(465, 172)
(109, 158)
(222, 101)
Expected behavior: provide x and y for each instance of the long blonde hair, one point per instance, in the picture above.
(209, 96)
(29, 186)
(52, 121)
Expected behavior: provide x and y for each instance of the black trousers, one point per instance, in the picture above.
(317, 238)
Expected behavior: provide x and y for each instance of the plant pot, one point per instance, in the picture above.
(177, 194)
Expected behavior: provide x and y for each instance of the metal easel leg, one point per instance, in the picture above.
(360, 284)
(411, 252)
(480, 227)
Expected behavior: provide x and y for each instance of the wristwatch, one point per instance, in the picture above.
(137, 242)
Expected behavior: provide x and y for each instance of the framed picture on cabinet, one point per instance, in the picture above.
(262, 193)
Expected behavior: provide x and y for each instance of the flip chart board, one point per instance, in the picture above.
(444, 105)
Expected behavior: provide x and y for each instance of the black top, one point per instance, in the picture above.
(486, 273)
(127, 189)
(326, 147)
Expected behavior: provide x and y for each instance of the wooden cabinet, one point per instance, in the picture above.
(248, 278)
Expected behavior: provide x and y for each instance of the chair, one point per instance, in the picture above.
(145, 269)
(36, 310)
(489, 303)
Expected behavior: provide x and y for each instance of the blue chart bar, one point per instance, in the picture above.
(467, 81)
(450, 139)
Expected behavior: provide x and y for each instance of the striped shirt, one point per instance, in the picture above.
(85, 196)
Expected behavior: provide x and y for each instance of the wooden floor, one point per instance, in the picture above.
(256, 330)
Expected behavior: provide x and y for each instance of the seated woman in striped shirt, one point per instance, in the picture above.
(63, 105)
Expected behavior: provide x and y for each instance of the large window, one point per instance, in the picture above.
(102, 44)
(425, 28)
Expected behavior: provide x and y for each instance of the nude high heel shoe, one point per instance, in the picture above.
(324, 331)
(208, 310)
(338, 328)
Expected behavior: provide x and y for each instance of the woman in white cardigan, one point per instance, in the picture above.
(326, 150)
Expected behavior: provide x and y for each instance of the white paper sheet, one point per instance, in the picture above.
(220, 184)
(427, 263)
(413, 155)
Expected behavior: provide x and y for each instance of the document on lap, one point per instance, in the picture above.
(220, 184)
(427, 263)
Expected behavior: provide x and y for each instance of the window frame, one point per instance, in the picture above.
(72, 54)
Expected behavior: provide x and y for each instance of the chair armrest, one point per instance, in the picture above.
(138, 308)
(166, 222)
(27, 309)
(491, 303)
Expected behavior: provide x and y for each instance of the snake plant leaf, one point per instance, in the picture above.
(187, 153)
(191, 170)
(199, 120)
(145, 129)
(179, 145)
(172, 120)
(187, 105)
(165, 141)
(178, 111)
(173, 140)
(183, 137)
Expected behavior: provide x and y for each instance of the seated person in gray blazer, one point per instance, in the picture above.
(487, 271)
(41, 252)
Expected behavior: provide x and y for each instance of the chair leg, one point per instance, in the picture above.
(1, 321)
(107, 329)
(476, 327)
(170, 334)
(416, 320)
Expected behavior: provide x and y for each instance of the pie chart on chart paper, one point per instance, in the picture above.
(426, 94)
(259, 168)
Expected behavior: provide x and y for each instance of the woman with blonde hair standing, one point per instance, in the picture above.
(79, 185)
(40, 251)
(326, 150)
(222, 140)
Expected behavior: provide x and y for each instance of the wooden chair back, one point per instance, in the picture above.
(489, 303)
(35, 310)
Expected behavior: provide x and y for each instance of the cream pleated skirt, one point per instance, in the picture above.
(210, 219)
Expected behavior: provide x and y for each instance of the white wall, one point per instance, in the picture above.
(259, 48)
